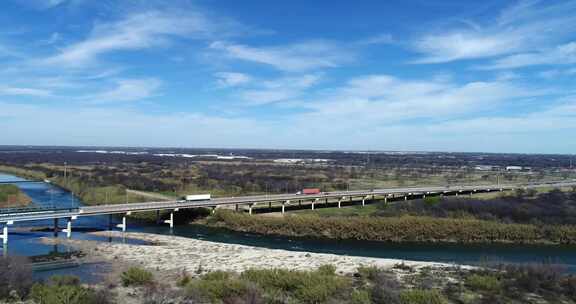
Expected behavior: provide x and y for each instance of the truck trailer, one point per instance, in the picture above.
(308, 191)
(197, 197)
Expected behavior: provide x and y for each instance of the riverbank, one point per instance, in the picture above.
(11, 196)
(396, 229)
(173, 254)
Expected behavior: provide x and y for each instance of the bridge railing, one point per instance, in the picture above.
(11, 211)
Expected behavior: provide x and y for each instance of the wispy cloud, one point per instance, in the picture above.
(19, 91)
(263, 92)
(139, 31)
(291, 58)
(127, 90)
(232, 79)
(524, 27)
(386, 99)
(561, 55)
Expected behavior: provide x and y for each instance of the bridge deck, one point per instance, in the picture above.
(34, 214)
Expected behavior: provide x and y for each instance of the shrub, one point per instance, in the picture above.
(419, 296)
(184, 279)
(67, 289)
(488, 283)
(307, 287)
(136, 276)
(327, 269)
(217, 287)
(15, 277)
(386, 288)
(360, 297)
(432, 200)
(368, 272)
(534, 277)
(569, 286)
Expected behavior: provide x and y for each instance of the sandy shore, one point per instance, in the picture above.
(173, 254)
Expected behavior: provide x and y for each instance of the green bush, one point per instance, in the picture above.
(488, 283)
(432, 200)
(136, 276)
(360, 297)
(67, 290)
(217, 289)
(306, 287)
(327, 269)
(368, 272)
(420, 296)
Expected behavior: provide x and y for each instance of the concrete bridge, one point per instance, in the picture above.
(10, 216)
(20, 182)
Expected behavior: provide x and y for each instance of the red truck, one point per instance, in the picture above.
(308, 191)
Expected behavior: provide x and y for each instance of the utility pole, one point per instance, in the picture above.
(66, 174)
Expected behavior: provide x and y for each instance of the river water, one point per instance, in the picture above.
(44, 194)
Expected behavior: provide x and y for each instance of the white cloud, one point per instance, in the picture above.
(139, 31)
(386, 99)
(119, 126)
(128, 90)
(563, 54)
(292, 58)
(18, 91)
(550, 74)
(282, 89)
(527, 26)
(232, 79)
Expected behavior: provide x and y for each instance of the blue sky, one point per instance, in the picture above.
(494, 76)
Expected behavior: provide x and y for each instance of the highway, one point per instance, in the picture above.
(10, 216)
(356, 195)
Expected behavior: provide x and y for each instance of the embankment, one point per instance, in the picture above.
(397, 229)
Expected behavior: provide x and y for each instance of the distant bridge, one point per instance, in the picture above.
(21, 182)
(336, 198)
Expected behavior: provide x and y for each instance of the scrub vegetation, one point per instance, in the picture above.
(11, 196)
(400, 285)
(397, 229)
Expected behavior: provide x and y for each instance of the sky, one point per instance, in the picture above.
(469, 76)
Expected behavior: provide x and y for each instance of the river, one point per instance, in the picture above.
(44, 194)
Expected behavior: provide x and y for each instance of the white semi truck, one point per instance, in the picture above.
(197, 197)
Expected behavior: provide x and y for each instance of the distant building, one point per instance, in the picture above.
(486, 167)
(514, 168)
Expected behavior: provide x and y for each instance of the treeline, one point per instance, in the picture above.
(549, 208)
(398, 229)
(24, 155)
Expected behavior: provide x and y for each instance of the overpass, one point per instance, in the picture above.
(21, 182)
(10, 216)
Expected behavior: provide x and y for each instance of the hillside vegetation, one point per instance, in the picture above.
(398, 229)
(11, 196)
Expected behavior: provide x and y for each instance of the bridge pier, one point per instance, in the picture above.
(56, 227)
(269, 205)
(284, 206)
(340, 202)
(213, 210)
(158, 219)
(4, 236)
(386, 200)
(405, 197)
(237, 208)
(314, 202)
(363, 201)
(250, 209)
(123, 226)
(68, 228)
(170, 221)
